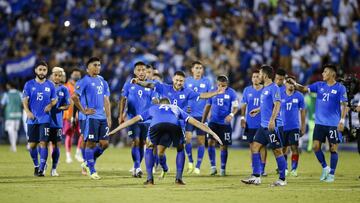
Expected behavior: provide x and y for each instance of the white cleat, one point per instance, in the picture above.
(79, 157)
(54, 173)
(253, 180)
(197, 171)
(279, 183)
(68, 160)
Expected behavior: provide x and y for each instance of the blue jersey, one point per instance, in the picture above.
(291, 105)
(200, 86)
(251, 97)
(280, 118)
(82, 101)
(94, 89)
(164, 113)
(40, 95)
(63, 96)
(179, 98)
(139, 98)
(328, 102)
(269, 95)
(221, 106)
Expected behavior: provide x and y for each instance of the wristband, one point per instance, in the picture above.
(242, 118)
(231, 114)
(342, 121)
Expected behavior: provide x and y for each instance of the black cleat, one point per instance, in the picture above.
(40, 173)
(36, 171)
(179, 182)
(149, 182)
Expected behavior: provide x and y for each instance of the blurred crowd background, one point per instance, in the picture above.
(231, 37)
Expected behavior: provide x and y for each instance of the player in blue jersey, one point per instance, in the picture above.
(292, 104)
(223, 108)
(39, 97)
(138, 100)
(165, 129)
(251, 101)
(330, 112)
(97, 110)
(56, 123)
(200, 84)
(268, 132)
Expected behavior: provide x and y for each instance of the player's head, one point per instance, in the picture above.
(63, 77)
(222, 82)
(75, 74)
(10, 85)
(290, 86)
(140, 70)
(329, 72)
(164, 100)
(57, 74)
(255, 78)
(157, 77)
(93, 66)
(149, 72)
(178, 80)
(266, 72)
(280, 76)
(41, 70)
(197, 69)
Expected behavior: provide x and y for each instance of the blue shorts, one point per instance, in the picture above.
(166, 134)
(291, 137)
(191, 128)
(138, 130)
(82, 124)
(55, 135)
(264, 137)
(223, 131)
(280, 130)
(249, 134)
(38, 132)
(96, 129)
(321, 132)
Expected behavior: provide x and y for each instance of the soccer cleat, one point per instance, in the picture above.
(252, 180)
(179, 182)
(36, 171)
(222, 172)
(78, 157)
(41, 173)
(264, 174)
(54, 173)
(131, 170)
(286, 172)
(325, 173)
(213, 171)
(68, 160)
(137, 173)
(330, 178)
(95, 176)
(163, 175)
(279, 183)
(190, 168)
(85, 169)
(197, 171)
(293, 173)
(149, 182)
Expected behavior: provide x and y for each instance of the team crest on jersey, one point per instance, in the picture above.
(226, 96)
(295, 101)
(47, 89)
(61, 94)
(333, 91)
(202, 85)
(321, 89)
(250, 95)
(147, 89)
(133, 87)
(182, 96)
(266, 92)
(78, 87)
(190, 85)
(33, 89)
(92, 84)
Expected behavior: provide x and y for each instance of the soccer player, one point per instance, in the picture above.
(330, 115)
(13, 113)
(39, 97)
(223, 108)
(200, 84)
(165, 129)
(71, 125)
(138, 100)
(268, 132)
(292, 103)
(250, 101)
(56, 112)
(97, 110)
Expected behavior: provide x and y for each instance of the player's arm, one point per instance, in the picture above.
(254, 112)
(234, 110)
(75, 97)
(274, 114)
(206, 112)
(299, 87)
(302, 118)
(344, 111)
(242, 114)
(49, 106)
(121, 109)
(126, 124)
(204, 128)
(64, 107)
(142, 83)
(107, 106)
(207, 95)
(25, 103)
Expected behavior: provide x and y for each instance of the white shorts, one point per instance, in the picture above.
(12, 125)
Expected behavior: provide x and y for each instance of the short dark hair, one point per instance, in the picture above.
(290, 76)
(196, 63)
(92, 59)
(180, 73)
(75, 70)
(149, 66)
(164, 100)
(330, 66)
(280, 72)
(158, 75)
(222, 78)
(139, 63)
(268, 70)
(256, 71)
(41, 63)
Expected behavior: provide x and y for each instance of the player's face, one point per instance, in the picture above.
(290, 87)
(178, 82)
(262, 76)
(41, 72)
(56, 77)
(149, 73)
(328, 74)
(197, 70)
(279, 79)
(221, 85)
(140, 72)
(63, 77)
(255, 79)
(76, 75)
(94, 68)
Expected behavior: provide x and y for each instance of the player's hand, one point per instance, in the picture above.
(271, 125)
(254, 112)
(302, 130)
(243, 123)
(89, 111)
(220, 90)
(134, 80)
(109, 122)
(216, 137)
(228, 118)
(48, 108)
(30, 115)
(290, 81)
(340, 127)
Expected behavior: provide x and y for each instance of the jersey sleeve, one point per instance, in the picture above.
(145, 115)
(125, 89)
(159, 88)
(67, 96)
(106, 89)
(301, 101)
(276, 94)
(80, 86)
(314, 87)
(192, 95)
(183, 115)
(234, 99)
(343, 95)
(26, 91)
(244, 99)
(53, 95)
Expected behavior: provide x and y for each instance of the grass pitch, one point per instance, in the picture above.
(17, 183)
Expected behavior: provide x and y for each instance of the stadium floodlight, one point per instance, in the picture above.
(92, 23)
(67, 23)
(104, 22)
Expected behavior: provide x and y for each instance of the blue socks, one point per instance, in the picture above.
(149, 161)
(162, 161)
(43, 157)
(200, 155)
(34, 156)
(320, 156)
(141, 151)
(223, 157)
(98, 151)
(180, 162)
(285, 156)
(55, 157)
(136, 156)
(333, 162)
(263, 167)
(89, 154)
(281, 163)
(211, 152)
(188, 149)
(256, 164)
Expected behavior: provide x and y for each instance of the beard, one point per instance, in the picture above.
(41, 77)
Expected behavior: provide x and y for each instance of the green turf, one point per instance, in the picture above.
(17, 184)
